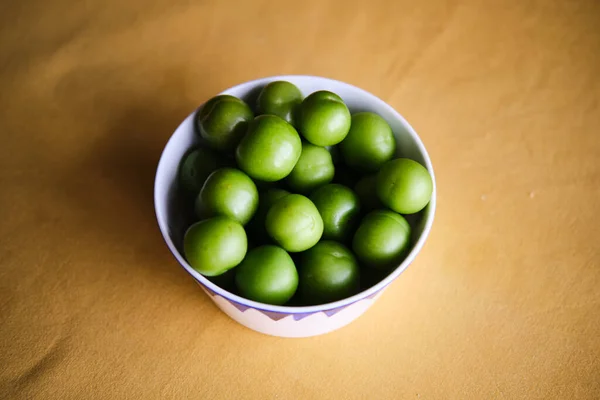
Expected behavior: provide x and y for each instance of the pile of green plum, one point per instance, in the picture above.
(296, 198)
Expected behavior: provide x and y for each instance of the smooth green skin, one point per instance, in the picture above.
(228, 192)
(369, 143)
(382, 239)
(328, 272)
(223, 120)
(313, 169)
(339, 207)
(270, 149)
(265, 200)
(215, 245)
(404, 186)
(196, 166)
(205, 110)
(365, 189)
(294, 223)
(324, 119)
(279, 98)
(267, 275)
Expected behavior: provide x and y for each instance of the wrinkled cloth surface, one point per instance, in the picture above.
(503, 301)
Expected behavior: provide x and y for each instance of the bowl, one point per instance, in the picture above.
(286, 321)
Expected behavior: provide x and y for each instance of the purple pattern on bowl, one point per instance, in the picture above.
(276, 315)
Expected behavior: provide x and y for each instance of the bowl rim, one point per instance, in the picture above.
(368, 293)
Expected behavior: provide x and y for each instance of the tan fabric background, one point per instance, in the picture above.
(504, 300)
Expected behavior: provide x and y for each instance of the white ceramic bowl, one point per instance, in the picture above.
(284, 320)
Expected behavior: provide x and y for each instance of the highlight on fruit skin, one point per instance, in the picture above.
(222, 121)
(404, 186)
(298, 201)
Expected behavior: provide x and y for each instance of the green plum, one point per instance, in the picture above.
(294, 223)
(382, 239)
(328, 272)
(324, 119)
(404, 186)
(266, 199)
(270, 149)
(313, 169)
(215, 245)
(223, 120)
(339, 207)
(267, 275)
(270, 197)
(196, 166)
(369, 143)
(228, 192)
(279, 98)
(365, 189)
